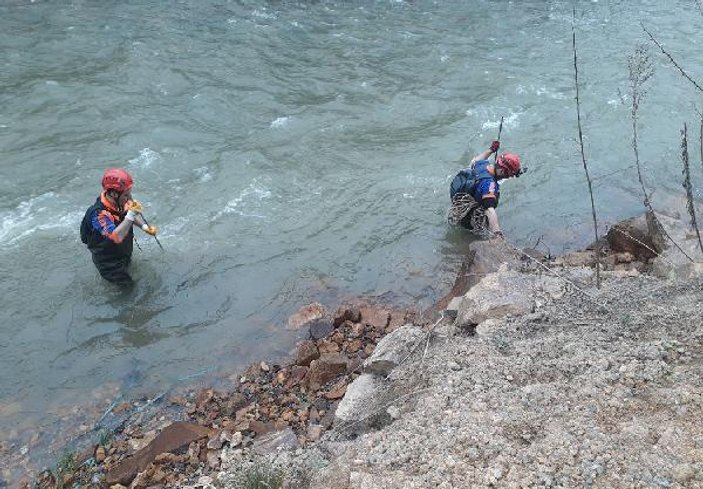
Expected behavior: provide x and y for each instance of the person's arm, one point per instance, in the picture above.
(493, 225)
(102, 221)
(484, 156)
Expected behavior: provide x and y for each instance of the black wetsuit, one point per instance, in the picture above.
(111, 256)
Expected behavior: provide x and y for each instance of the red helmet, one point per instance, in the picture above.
(117, 179)
(510, 163)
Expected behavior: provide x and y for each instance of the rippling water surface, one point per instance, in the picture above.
(292, 152)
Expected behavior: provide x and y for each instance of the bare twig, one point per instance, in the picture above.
(701, 139)
(583, 155)
(661, 48)
(699, 4)
(687, 184)
(640, 66)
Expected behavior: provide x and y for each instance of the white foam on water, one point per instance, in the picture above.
(262, 14)
(255, 192)
(509, 121)
(146, 158)
(540, 91)
(203, 174)
(36, 214)
(279, 122)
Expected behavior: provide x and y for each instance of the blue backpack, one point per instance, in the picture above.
(466, 180)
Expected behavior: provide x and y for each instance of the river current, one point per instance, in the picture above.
(293, 152)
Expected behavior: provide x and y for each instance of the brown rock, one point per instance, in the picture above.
(632, 236)
(327, 346)
(297, 374)
(260, 427)
(281, 377)
(121, 408)
(337, 391)
(346, 313)
(337, 337)
(306, 352)
(306, 315)
(397, 319)
(326, 368)
(204, 398)
(80, 458)
(375, 317)
(177, 400)
(165, 458)
(354, 345)
(172, 438)
(235, 402)
(143, 479)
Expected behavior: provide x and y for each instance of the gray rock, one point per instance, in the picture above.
(393, 349)
(504, 293)
(453, 308)
(276, 441)
(359, 396)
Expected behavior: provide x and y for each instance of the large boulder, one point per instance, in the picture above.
(682, 260)
(392, 349)
(361, 409)
(504, 293)
(633, 236)
(484, 257)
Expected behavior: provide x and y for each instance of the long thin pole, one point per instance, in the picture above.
(155, 237)
(500, 130)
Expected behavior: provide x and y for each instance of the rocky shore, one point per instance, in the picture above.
(525, 375)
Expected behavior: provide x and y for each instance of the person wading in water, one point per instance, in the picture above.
(107, 227)
(475, 191)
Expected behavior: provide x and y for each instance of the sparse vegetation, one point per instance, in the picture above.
(259, 474)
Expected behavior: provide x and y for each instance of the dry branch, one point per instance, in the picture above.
(687, 184)
(583, 154)
(661, 48)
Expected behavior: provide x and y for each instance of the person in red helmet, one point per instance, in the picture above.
(475, 191)
(106, 228)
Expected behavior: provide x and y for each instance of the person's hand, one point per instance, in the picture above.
(150, 230)
(134, 208)
(494, 146)
(135, 205)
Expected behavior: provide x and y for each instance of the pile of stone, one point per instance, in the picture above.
(272, 406)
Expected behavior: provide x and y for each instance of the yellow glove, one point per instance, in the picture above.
(150, 230)
(136, 206)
